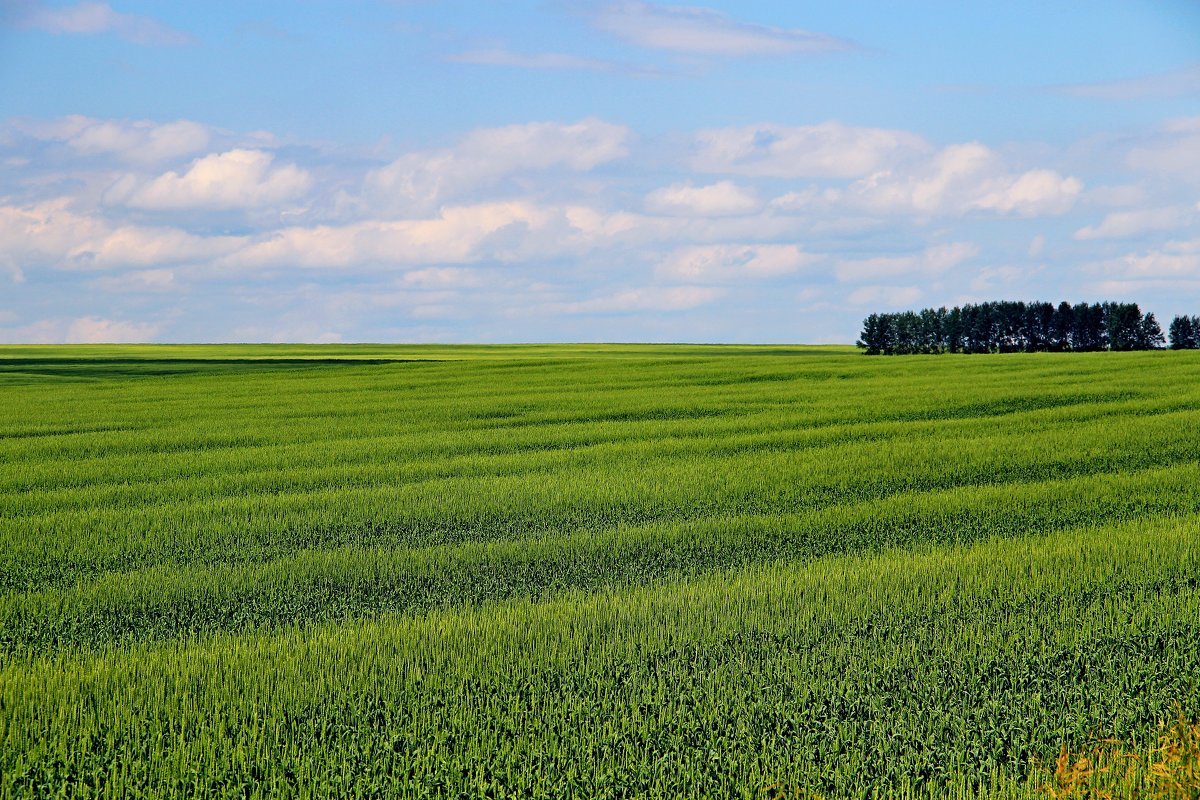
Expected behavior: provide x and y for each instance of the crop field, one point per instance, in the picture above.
(599, 571)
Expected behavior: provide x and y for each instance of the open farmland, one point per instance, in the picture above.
(594, 571)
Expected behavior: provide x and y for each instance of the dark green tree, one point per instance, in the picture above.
(1184, 333)
(1061, 327)
(1122, 325)
(1008, 326)
(871, 339)
(1150, 335)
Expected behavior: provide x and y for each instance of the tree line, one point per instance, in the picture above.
(1007, 326)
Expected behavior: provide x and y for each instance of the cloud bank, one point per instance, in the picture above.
(115, 230)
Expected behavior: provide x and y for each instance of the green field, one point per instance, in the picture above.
(588, 571)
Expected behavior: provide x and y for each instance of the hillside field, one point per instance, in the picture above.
(599, 571)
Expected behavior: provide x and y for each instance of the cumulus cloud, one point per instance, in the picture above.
(961, 178)
(91, 18)
(827, 150)
(727, 263)
(134, 141)
(83, 330)
(1034, 193)
(424, 180)
(932, 262)
(702, 31)
(458, 235)
(234, 179)
(594, 227)
(724, 198)
(1173, 260)
(94, 330)
(1127, 224)
(650, 298)
(524, 217)
(52, 233)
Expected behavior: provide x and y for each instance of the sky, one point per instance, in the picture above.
(586, 170)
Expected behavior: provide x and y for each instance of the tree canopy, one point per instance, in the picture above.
(1007, 326)
(1185, 333)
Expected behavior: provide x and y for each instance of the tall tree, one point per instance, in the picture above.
(1185, 333)
(1062, 327)
(1008, 326)
(1150, 335)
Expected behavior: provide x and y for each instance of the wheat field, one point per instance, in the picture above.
(599, 571)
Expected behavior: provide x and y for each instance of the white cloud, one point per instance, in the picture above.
(934, 261)
(501, 57)
(885, 296)
(442, 278)
(1034, 193)
(1037, 246)
(597, 228)
(458, 235)
(235, 179)
(733, 262)
(961, 178)
(724, 198)
(1127, 224)
(1172, 151)
(1118, 196)
(1178, 259)
(46, 231)
(1177, 82)
(650, 298)
(827, 150)
(94, 330)
(1001, 281)
(1126, 288)
(135, 141)
(510, 219)
(424, 180)
(91, 18)
(55, 235)
(701, 31)
(146, 280)
(84, 330)
(10, 267)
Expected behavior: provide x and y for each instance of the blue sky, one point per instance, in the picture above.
(562, 170)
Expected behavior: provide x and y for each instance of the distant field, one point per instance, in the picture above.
(593, 570)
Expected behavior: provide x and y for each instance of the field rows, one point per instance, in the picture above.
(834, 674)
(587, 571)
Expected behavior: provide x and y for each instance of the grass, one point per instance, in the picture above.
(594, 570)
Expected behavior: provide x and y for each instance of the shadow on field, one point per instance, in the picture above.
(153, 367)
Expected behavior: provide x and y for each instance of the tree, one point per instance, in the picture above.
(1150, 335)
(1061, 327)
(1185, 333)
(1088, 330)
(1122, 324)
(1039, 325)
(1008, 326)
(952, 330)
(870, 339)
